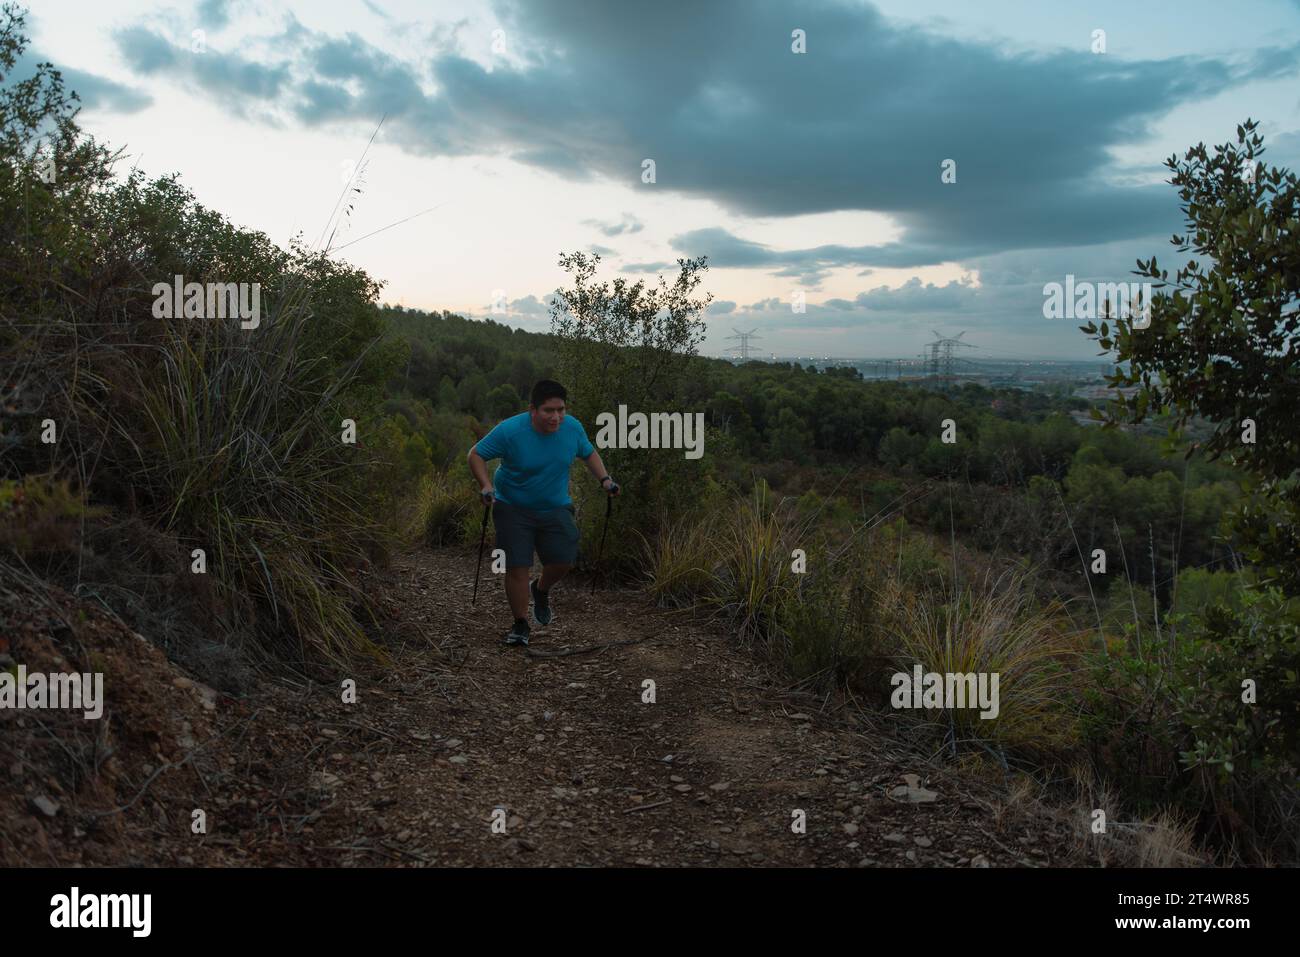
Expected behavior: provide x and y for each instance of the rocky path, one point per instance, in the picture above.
(469, 752)
(577, 767)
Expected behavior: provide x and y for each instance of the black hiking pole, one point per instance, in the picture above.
(609, 507)
(482, 537)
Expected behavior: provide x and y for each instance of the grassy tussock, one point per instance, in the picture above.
(677, 565)
(454, 511)
(235, 438)
(871, 605)
(992, 628)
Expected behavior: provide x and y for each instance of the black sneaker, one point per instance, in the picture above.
(541, 604)
(518, 634)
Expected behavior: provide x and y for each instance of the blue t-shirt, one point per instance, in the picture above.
(534, 469)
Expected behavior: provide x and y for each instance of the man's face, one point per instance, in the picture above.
(547, 416)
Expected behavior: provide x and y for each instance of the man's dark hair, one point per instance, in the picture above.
(548, 389)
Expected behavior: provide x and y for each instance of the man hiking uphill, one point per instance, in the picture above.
(531, 508)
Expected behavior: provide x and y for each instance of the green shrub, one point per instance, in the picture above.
(223, 438)
(677, 564)
(753, 582)
(1169, 719)
(994, 627)
(455, 511)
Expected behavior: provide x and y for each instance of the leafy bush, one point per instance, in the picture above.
(223, 438)
(1222, 331)
(631, 345)
(1172, 721)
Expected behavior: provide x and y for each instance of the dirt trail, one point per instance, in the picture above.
(590, 774)
(585, 771)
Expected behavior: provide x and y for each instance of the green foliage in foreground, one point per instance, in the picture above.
(1207, 716)
(1223, 334)
(223, 438)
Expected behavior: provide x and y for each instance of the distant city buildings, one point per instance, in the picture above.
(1084, 379)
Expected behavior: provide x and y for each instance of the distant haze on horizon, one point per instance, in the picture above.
(525, 123)
(884, 358)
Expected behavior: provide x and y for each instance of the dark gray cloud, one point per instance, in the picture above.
(860, 122)
(530, 312)
(725, 249)
(101, 93)
(912, 296)
(242, 84)
(554, 159)
(1003, 314)
(864, 121)
(145, 50)
(627, 224)
(531, 306)
(96, 92)
(326, 99)
(213, 14)
(602, 250)
(808, 275)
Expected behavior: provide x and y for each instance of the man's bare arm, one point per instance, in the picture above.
(596, 467)
(478, 469)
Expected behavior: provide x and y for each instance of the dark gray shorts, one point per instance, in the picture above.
(553, 533)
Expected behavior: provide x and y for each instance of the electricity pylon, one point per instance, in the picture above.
(940, 360)
(743, 348)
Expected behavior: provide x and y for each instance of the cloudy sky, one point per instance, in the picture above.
(524, 125)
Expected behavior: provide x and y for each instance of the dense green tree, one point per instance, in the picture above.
(1222, 339)
(471, 394)
(502, 402)
(790, 439)
(901, 449)
(448, 398)
(635, 345)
